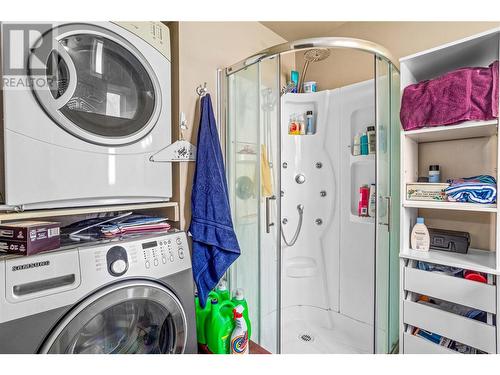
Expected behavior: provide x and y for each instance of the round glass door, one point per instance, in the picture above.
(128, 318)
(98, 87)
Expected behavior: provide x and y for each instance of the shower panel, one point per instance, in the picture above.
(318, 277)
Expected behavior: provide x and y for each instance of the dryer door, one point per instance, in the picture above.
(98, 86)
(131, 317)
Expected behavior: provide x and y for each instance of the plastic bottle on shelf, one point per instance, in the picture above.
(372, 202)
(370, 132)
(292, 125)
(420, 239)
(310, 123)
(302, 124)
(364, 144)
(356, 146)
(364, 193)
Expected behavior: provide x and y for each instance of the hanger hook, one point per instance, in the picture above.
(202, 90)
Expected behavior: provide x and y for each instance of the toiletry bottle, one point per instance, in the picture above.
(294, 77)
(364, 144)
(239, 337)
(292, 124)
(364, 192)
(372, 202)
(302, 124)
(310, 123)
(370, 132)
(420, 239)
(239, 299)
(434, 174)
(356, 147)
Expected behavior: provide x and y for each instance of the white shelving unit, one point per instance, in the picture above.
(478, 50)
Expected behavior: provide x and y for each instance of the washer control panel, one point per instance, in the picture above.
(153, 256)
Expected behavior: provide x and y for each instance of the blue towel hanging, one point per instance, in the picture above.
(215, 246)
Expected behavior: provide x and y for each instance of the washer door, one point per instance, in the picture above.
(133, 317)
(98, 86)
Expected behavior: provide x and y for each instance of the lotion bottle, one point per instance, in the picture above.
(420, 239)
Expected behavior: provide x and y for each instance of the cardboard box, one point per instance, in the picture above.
(29, 237)
(426, 191)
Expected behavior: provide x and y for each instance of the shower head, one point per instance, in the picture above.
(311, 56)
(316, 54)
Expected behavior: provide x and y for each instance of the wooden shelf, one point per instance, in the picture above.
(475, 260)
(469, 129)
(459, 206)
(9, 216)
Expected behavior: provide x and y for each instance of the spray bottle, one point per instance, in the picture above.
(239, 337)
(239, 299)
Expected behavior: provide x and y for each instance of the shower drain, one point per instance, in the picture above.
(306, 337)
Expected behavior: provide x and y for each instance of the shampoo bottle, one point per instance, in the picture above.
(239, 337)
(222, 291)
(364, 144)
(420, 239)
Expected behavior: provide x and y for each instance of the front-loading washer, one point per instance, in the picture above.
(85, 106)
(126, 296)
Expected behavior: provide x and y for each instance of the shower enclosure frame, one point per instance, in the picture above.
(379, 53)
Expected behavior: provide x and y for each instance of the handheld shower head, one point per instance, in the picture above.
(316, 54)
(311, 56)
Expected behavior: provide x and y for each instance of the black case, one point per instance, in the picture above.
(449, 240)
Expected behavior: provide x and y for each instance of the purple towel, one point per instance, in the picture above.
(462, 95)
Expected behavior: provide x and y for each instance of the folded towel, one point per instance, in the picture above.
(215, 246)
(477, 189)
(462, 95)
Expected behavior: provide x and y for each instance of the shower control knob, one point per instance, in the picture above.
(322, 193)
(319, 165)
(319, 221)
(285, 165)
(282, 193)
(284, 221)
(300, 178)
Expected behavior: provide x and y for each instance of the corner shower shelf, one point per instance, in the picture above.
(362, 219)
(362, 158)
(469, 129)
(460, 206)
(474, 260)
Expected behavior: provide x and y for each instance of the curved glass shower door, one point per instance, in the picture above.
(387, 223)
(253, 180)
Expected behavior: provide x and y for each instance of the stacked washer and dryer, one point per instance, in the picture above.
(86, 106)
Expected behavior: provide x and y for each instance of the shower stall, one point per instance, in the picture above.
(318, 277)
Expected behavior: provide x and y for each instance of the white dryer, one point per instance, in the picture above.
(85, 106)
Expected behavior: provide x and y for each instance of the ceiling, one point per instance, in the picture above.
(294, 30)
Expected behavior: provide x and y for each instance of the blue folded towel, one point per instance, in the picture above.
(215, 246)
(477, 189)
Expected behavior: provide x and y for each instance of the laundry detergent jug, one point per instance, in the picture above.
(202, 314)
(219, 326)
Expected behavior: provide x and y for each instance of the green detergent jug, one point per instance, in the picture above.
(202, 314)
(222, 291)
(219, 326)
(239, 299)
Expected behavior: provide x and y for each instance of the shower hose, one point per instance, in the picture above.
(300, 209)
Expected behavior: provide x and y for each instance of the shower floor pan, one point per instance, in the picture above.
(310, 336)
